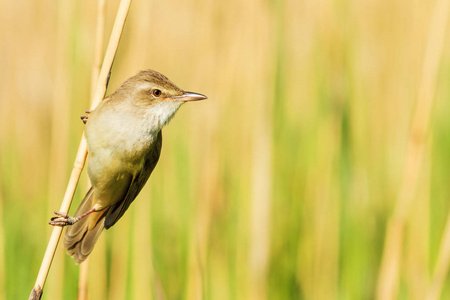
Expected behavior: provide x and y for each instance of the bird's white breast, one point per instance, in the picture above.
(127, 134)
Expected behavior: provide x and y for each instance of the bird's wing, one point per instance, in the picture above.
(138, 182)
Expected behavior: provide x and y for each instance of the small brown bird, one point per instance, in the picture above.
(124, 143)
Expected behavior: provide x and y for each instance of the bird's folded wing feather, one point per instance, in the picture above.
(138, 182)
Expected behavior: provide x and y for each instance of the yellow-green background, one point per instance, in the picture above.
(279, 186)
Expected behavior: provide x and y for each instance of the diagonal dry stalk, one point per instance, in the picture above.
(99, 32)
(80, 159)
(82, 281)
(390, 264)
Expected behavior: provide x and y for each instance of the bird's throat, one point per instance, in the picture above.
(160, 114)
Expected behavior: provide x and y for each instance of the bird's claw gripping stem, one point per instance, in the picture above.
(62, 219)
(84, 118)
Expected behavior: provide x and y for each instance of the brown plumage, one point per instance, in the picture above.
(80, 238)
(124, 144)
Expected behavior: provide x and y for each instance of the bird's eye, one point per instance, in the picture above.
(156, 92)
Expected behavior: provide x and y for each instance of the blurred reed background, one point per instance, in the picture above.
(280, 186)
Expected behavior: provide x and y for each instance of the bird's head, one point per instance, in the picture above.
(155, 95)
(151, 88)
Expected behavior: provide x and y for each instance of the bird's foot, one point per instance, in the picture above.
(62, 219)
(84, 118)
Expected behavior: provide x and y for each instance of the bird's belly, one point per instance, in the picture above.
(118, 146)
(111, 176)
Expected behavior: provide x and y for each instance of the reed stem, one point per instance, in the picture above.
(390, 264)
(80, 159)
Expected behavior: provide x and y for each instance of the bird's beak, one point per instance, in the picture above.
(189, 96)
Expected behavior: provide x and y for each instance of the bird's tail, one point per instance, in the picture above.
(80, 237)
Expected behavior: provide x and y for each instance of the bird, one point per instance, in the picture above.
(124, 141)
